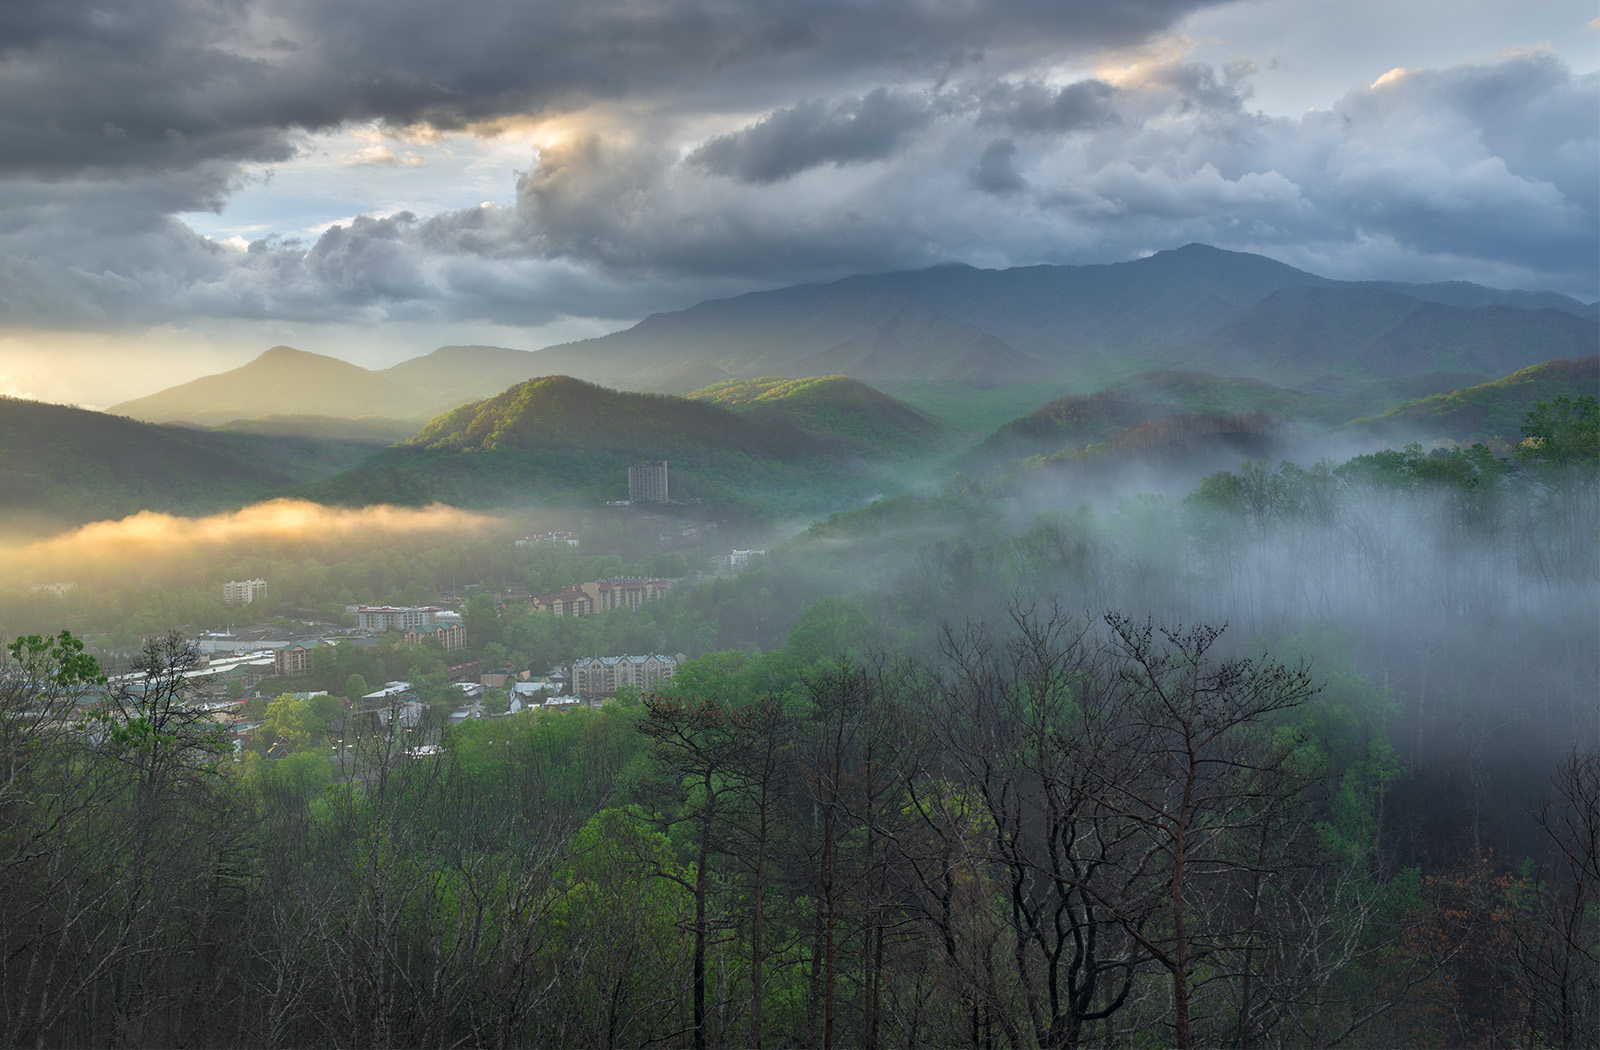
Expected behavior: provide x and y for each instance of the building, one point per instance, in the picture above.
(647, 482)
(395, 698)
(595, 676)
(394, 617)
(569, 601)
(629, 592)
(586, 599)
(550, 539)
(293, 661)
(738, 559)
(243, 592)
(452, 636)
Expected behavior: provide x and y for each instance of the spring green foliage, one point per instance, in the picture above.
(1563, 431)
(1491, 410)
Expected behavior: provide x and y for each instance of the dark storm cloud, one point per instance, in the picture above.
(931, 132)
(813, 134)
(996, 172)
(1035, 107)
(94, 86)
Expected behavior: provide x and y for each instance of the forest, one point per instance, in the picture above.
(1302, 755)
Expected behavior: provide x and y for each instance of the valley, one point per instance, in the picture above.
(917, 551)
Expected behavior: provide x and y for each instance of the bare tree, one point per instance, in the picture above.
(1558, 932)
(1205, 778)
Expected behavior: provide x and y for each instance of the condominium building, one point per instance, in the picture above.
(452, 636)
(395, 617)
(569, 601)
(585, 599)
(647, 482)
(629, 592)
(594, 676)
(243, 592)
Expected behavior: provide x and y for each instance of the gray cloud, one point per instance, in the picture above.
(1034, 107)
(812, 134)
(111, 85)
(931, 134)
(996, 172)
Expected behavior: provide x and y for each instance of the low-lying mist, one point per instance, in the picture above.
(152, 545)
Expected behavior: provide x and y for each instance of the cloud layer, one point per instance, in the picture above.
(703, 147)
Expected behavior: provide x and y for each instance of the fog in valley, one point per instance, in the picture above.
(1137, 746)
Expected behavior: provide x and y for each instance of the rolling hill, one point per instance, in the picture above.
(61, 465)
(837, 410)
(559, 438)
(1488, 410)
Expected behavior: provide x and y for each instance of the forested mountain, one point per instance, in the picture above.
(957, 328)
(69, 465)
(1192, 308)
(1487, 410)
(835, 409)
(454, 375)
(559, 437)
(801, 331)
(282, 381)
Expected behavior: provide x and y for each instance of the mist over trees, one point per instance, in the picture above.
(1299, 755)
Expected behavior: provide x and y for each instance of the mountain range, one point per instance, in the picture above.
(1078, 328)
(788, 397)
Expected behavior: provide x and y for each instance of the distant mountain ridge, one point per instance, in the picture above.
(1194, 309)
(284, 381)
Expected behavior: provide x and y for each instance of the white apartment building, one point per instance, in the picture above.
(243, 592)
(395, 617)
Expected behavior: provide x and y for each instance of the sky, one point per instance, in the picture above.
(185, 183)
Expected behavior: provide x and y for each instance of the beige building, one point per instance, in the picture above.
(243, 592)
(595, 676)
(586, 599)
(452, 636)
(293, 661)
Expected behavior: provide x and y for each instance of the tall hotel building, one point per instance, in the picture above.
(647, 482)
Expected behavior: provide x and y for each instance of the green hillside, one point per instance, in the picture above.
(1494, 409)
(1066, 423)
(368, 432)
(70, 465)
(559, 438)
(1218, 395)
(837, 410)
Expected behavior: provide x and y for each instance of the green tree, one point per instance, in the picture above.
(288, 718)
(1562, 430)
(482, 622)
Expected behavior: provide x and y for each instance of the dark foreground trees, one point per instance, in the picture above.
(1557, 925)
(1131, 802)
(1053, 832)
